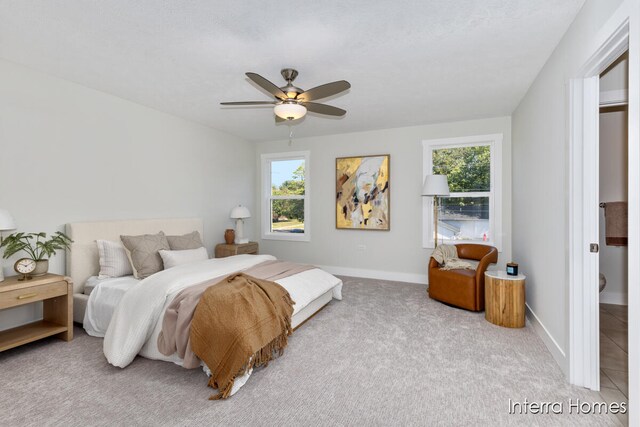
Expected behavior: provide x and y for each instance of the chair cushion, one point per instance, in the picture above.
(457, 275)
(456, 287)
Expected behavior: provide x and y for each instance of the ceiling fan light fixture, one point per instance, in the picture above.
(290, 111)
(291, 102)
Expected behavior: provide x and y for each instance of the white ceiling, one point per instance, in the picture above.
(409, 62)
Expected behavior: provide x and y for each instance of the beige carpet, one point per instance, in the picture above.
(385, 355)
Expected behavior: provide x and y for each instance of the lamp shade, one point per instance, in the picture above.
(240, 212)
(6, 221)
(435, 185)
(290, 111)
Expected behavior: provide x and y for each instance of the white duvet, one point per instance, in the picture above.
(104, 297)
(137, 319)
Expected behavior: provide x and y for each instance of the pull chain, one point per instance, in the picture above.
(290, 135)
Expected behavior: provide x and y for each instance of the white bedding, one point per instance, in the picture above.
(137, 319)
(104, 296)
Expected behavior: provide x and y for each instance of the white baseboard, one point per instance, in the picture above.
(555, 349)
(617, 298)
(376, 274)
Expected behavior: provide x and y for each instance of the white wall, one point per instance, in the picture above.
(70, 153)
(613, 187)
(398, 253)
(540, 178)
(616, 77)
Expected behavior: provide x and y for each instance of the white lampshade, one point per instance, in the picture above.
(435, 185)
(240, 212)
(290, 111)
(6, 221)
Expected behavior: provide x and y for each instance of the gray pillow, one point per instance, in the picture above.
(185, 242)
(143, 252)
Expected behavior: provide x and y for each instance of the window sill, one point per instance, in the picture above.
(292, 237)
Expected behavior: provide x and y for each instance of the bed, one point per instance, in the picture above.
(134, 317)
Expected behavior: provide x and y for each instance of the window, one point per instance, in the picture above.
(285, 190)
(472, 211)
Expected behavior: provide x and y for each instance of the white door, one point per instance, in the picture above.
(584, 367)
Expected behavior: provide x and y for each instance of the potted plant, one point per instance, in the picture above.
(37, 247)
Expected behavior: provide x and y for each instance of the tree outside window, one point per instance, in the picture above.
(473, 210)
(287, 215)
(285, 205)
(464, 215)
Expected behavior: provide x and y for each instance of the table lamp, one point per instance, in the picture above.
(239, 213)
(6, 223)
(436, 186)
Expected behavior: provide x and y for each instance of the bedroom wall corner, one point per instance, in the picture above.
(70, 153)
(541, 179)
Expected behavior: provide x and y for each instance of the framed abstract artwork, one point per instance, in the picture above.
(362, 193)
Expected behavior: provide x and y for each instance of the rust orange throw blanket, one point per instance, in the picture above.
(176, 323)
(240, 323)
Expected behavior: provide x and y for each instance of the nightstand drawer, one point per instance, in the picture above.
(249, 248)
(32, 293)
(223, 250)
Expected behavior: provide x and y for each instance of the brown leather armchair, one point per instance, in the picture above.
(462, 288)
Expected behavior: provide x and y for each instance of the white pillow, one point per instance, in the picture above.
(173, 258)
(114, 261)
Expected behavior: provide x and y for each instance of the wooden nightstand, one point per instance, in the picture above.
(56, 294)
(224, 250)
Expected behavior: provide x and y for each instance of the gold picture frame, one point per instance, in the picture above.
(363, 193)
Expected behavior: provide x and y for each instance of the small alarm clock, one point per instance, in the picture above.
(24, 266)
(512, 269)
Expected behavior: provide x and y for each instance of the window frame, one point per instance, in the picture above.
(494, 141)
(266, 160)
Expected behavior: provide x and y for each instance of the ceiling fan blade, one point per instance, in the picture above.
(324, 91)
(250, 103)
(267, 85)
(324, 109)
(279, 119)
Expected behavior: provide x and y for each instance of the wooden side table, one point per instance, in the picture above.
(224, 250)
(504, 299)
(56, 294)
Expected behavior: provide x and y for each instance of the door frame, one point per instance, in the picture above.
(584, 336)
(584, 351)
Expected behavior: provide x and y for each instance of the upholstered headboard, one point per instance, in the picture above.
(82, 258)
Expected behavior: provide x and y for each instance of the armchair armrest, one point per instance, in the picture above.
(433, 263)
(490, 258)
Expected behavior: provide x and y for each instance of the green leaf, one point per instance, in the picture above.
(37, 250)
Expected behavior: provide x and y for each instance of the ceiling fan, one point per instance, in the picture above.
(291, 102)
